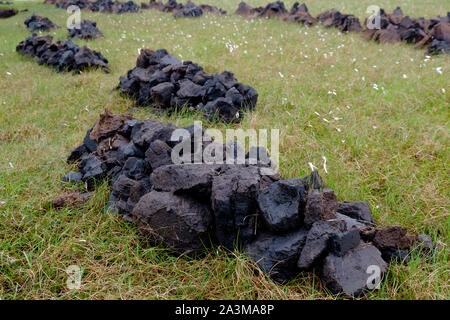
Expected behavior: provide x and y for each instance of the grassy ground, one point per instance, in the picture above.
(388, 147)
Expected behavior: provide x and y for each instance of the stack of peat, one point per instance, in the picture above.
(298, 13)
(63, 55)
(190, 9)
(395, 27)
(87, 30)
(162, 80)
(38, 23)
(434, 32)
(285, 225)
(104, 6)
(6, 13)
(212, 9)
(343, 22)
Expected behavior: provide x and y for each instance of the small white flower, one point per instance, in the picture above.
(281, 75)
(405, 76)
(439, 70)
(8, 73)
(324, 119)
(312, 166)
(11, 165)
(443, 90)
(325, 164)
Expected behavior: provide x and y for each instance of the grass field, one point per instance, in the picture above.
(385, 138)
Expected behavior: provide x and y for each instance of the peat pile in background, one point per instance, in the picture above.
(298, 13)
(38, 23)
(433, 33)
(190, 9)
(87, 30)
(162, 80)
(343, 22)
(285, 225)
(105, 6)
(6, 13)
(63, 55)
(212, 9)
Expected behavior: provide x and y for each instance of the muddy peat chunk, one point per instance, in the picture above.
(320, 205)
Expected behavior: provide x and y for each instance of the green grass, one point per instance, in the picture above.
(392, 148)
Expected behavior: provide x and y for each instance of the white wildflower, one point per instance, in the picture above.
(312, 166)
(325, 164)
